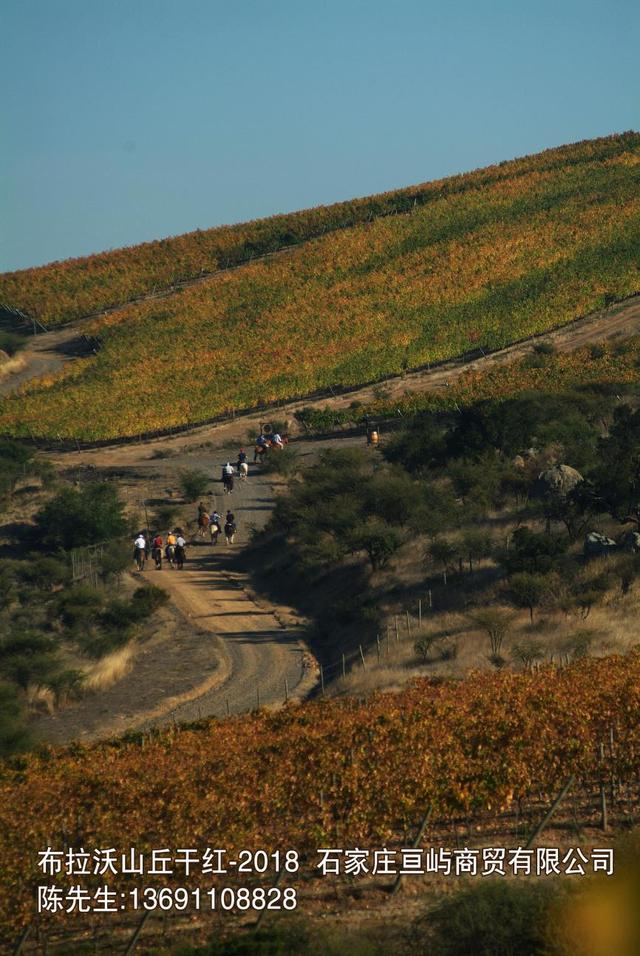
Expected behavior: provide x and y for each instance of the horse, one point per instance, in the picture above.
(170, 554)
(203, 523)
(243, 470)
(227, 482)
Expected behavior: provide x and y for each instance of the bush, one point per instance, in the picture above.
(11, 342)
(14, 735)
(194, 483)
(496, 918)
(74, 518)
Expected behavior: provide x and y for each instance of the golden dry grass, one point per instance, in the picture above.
(109, 669)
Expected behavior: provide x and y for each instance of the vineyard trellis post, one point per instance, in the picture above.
(550, 812)
(416, 843)
(604, 821)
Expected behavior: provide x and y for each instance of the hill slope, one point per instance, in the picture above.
(63, 291)
(485, 259)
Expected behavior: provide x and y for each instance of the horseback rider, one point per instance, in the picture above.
(180, 551)
(170, 549)
(157, 551)
(230, 528)
(242, 457)
(227, 477)
(215, 527)
(140, 551)
(262, 443)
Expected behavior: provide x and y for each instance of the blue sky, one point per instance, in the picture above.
(127, 120)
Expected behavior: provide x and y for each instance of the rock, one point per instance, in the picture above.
(630, 541)
(596, 544)
(519, 462)
(558, 480)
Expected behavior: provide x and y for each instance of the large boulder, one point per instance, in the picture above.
(558, 480)
(630, 541)
(596, 544)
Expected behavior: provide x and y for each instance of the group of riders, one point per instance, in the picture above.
(173, 547)
(264, 444)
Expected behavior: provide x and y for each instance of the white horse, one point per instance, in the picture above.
(243, 470)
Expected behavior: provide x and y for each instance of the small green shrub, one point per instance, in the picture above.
(194, 483)
(494, 918)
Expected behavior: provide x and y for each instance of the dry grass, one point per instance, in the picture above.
(41, 699)
(111, 668)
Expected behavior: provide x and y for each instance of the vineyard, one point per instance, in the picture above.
(478, 261)
(329, 773)
(63, 291)
(606, 366)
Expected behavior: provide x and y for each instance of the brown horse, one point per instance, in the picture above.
(203, 523)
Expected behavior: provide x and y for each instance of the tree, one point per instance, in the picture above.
(378, 539)
(193, 483)
(74, 518)
(527, 590)
(617, 478)
(476, 544)
(532, 551)
(496, 621)
(443, 554)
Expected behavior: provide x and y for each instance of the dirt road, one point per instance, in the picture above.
(222, 652)
(241, 653)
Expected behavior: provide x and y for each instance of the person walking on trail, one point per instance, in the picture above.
(230, 528)
(157, 551)
(215, 527)
(181, 553)
(140, 551)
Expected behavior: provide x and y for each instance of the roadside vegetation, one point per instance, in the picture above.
(60, 634)
(512, 524)
(509, 255)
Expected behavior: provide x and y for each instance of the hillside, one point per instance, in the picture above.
(305, 776)
(487, 259)
(63, 291)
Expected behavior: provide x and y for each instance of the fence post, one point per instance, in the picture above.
(364, 666)
(378, 646)
(430, 599)
(322, 679)
(397, 629)
(420, 612)
(408, 625)
(286, 689)
(344, 668)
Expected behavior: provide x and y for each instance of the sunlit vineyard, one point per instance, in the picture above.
(601, 366)
(335, 773)
(66, 290)
(499, 260)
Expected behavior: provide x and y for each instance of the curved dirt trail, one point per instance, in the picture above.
(222, 652)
